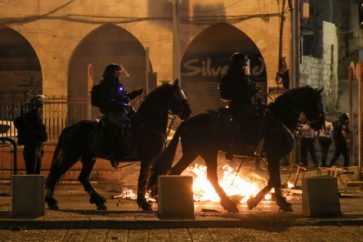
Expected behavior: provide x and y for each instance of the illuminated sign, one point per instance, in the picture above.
(211, 68)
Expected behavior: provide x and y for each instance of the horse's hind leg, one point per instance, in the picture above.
(62, 163)
(182, 164)
(211, 162)
(88, 163)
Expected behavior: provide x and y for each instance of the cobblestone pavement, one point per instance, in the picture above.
(304, 233)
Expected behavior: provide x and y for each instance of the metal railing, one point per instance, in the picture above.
(58, 113)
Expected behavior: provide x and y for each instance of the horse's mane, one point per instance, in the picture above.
(155, 94)
(292, 93)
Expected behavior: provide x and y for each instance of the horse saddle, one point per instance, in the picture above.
(114, 142)
(241, 132)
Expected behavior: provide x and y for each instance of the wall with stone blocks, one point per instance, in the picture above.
(55, 28)
(323, 72)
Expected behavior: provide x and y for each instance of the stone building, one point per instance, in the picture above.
(60, 47)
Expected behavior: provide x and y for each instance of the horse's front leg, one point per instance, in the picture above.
(142, 182)
(62, 162)
(226, 202)
(274, 181)
(87, 166)
(274, 170)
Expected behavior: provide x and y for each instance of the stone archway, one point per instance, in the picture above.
(206, 60)
(107, 44)
(20, 72)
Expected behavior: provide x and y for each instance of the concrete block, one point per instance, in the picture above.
(27, 195)
(320, 197)
(175, 197)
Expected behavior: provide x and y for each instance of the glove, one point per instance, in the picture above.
(139, 92)
(132, 95)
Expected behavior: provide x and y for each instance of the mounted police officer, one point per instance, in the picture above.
(32, 133)
(113, 101)
(238, 89)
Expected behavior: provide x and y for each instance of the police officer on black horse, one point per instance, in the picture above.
(113, 101)
(236, 87)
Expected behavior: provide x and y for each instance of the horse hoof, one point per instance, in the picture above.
(101, 207)
(286, 208)
(230, 206)
(53, 206)
(144, 205)
(97, 199)
(52, 203)
(233, 210)
(251, 203)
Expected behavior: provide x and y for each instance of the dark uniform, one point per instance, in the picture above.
(113, 102)
(341, 139)
(237, 86)
(238, 89)
(111, 97)
(32, 133)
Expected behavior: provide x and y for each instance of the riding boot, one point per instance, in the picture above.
(231, 134)
(259, 151)
(117, 148)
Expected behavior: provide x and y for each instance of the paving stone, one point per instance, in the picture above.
(179, 235)
(200, 235)
(75, 235)
(117, 235)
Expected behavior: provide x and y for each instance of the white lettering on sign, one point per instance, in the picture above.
(205, 68)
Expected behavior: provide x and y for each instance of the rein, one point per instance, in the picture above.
(288, 130)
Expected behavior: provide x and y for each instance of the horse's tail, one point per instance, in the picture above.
(163, 163)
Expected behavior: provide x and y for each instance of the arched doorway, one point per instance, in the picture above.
(20, 72)
(105, 45)
(206, 59)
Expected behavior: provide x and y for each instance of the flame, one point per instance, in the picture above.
(241, 188)
(129, 194)
(290, 185)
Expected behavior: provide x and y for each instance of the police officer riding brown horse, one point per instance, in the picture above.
(204, 134)
(147, 129)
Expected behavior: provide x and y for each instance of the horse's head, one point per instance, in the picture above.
(314, 107)
(178, 102)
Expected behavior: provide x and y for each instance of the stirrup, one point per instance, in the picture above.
(259, 148)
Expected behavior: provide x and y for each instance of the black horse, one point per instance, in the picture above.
(149, 134)
(201, 136)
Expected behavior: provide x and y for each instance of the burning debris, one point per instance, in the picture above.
(239, 187)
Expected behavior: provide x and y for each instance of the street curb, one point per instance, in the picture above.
(20, 224)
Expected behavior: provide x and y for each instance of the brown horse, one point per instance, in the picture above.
(149, 134)
(200, 137)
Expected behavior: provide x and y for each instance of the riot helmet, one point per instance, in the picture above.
(344, 117)
(37, 102)
(110, 71)
(240, 60)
